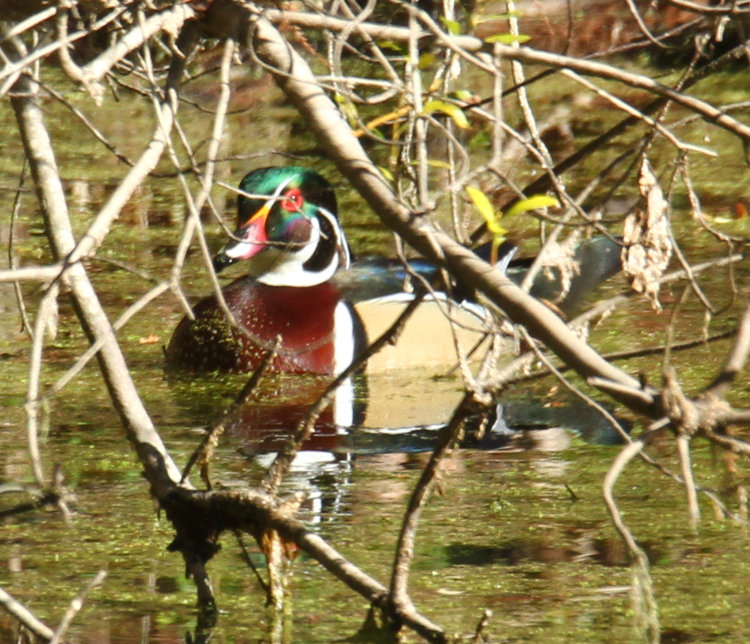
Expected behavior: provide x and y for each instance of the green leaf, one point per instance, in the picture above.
(386, 173)
(427, 60)
(435, 163)
(508, 39)
(455, 112)
(348, 109)
(390, 44)
(532, 203)
(463, 95)
(452, 26)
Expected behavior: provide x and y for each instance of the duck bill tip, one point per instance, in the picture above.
(221, 260)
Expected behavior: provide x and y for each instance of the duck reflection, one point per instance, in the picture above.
(301, 287)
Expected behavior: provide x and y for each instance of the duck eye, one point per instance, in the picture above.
(292, 200)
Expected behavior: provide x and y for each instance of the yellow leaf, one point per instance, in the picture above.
(455, 112)
(386, 173)
(427, 60)
(482, 203)
(492, 218)
(508, 39)
(532, 203)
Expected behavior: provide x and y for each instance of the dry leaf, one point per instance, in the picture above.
(560, 264)
(647, 242)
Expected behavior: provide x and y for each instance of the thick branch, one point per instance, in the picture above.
(160, 470)
(25, 616)
(203, 515)
(296, 79)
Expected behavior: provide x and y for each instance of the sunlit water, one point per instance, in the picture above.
(518, 525)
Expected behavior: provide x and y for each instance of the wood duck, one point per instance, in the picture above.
(290, 239)
(291, 242)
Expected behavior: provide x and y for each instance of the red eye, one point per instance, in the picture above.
(292, 200)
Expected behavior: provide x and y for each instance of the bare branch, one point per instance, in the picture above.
(642, 585)
(170, 20)
(733, 8)
(735, 360)
(160, 469)
(336, 137)
(25, 616)
(464, 44)
(398, 596)
(75, 606)
(32, 273)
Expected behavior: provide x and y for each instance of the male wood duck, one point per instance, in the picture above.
(290, 239)
(292, 243)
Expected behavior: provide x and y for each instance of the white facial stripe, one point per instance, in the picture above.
(340, 238)
(291, 272)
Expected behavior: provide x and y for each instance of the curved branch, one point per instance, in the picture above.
(209, 513)
(295, 78)
(170, 21)
(472, 44)
(735, 360)
(159, 467)
(731, 9)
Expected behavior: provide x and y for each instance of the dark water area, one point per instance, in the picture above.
(519, 526)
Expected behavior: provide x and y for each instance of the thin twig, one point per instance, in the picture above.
(573, 389)
(283, 461)
(398, 594)
(202, 452)
(735, 360)
(642, 584)
(683, 449)
(75, 606)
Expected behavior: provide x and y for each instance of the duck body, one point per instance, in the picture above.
(290, 240)
(319, 343)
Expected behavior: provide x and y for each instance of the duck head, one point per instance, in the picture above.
(287, 228)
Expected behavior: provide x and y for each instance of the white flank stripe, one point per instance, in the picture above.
(343, 354)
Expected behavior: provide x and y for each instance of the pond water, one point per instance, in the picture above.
(518, 528)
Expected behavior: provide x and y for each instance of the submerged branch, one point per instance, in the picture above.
(399, 595)
(643, 585)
